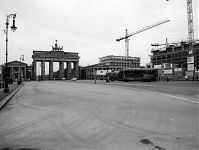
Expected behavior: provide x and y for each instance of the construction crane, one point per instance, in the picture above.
(166, 43)
(190, 21)
(190, 27)
(126, 37)
(157, 44)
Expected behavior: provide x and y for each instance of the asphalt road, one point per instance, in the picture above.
(59, 115)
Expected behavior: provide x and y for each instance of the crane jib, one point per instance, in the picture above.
(143, 29)
(138, 31)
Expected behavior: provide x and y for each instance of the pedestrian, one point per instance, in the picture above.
(95, 81)
(107, 79)
(39, 78)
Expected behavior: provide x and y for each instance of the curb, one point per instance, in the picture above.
(8, 98)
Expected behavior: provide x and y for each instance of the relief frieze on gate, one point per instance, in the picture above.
(57, 55)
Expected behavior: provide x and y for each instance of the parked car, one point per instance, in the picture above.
(74, 79)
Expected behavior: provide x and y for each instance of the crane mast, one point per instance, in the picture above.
(190, 25)
(127, 44)
(126, 37)
(190, 21)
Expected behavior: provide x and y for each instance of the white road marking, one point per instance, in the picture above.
(177, 97)
(184, 99)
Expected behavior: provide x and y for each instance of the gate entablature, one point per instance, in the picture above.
(56, 55)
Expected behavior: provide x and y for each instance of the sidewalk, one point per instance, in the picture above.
(12, 88)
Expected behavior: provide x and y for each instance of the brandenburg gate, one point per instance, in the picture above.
(56, 55)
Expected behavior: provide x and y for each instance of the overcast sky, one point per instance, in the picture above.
(90, 27)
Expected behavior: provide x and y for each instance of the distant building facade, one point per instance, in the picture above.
(120, 62)
(107, 64)
(177, 61)
(17, 69)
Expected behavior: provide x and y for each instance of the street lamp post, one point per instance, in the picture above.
(13, 27)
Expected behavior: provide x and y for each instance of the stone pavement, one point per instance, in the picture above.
(59, 115)
(12, 88)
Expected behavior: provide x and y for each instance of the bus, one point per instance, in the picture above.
(112, 75)
(138, 74)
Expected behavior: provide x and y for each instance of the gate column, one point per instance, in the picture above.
(76, 69)
(68, 70)
(42, 69)
(51, 70)
(34, 69)
(61, 70)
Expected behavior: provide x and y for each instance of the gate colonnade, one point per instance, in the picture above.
(67, 72)
(56, 55)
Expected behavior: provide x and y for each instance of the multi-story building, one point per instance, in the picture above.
(107, 64)
(179, 59)
(120, 62)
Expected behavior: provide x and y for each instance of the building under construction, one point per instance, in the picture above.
(107, 64)
(179, 60)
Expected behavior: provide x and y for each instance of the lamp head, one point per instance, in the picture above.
(13, 28)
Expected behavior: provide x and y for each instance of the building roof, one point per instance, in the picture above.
(118, 57)
(95, 65)
(15, 62)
